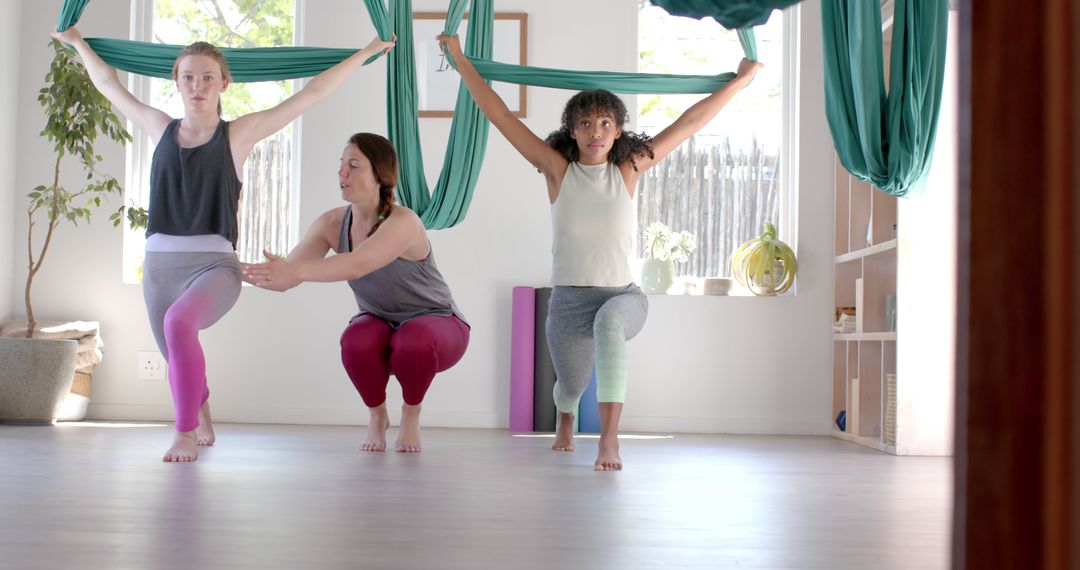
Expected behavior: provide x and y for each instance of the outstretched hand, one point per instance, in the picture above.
(275, 274)
(450, 44)
(68, 36)
(748, 69)
(381, 46)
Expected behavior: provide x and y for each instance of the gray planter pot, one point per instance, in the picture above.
(35, 377)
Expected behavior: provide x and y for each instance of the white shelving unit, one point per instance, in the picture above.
(865, 266)
(903, 248)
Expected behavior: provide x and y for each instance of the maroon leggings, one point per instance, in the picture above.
(372, 350)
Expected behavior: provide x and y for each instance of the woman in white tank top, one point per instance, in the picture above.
(591, 167)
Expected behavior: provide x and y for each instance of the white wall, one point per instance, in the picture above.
(9, 59)
(926, 353)
(702, 364)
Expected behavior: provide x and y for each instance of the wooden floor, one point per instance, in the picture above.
(95, 496)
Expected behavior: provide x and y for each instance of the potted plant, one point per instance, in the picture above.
(765, 265)
(38, 372)
(662, 249)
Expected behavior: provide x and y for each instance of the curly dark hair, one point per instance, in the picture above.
(630, 145)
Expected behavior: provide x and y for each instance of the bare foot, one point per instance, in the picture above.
(409, 432)
(607, 457)
(204, 433)
(564, 433)
(376, 430)
(184, 448)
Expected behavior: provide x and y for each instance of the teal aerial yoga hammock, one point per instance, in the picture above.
(447, 205)
(732, 14)
(886, 140)
(464, 156)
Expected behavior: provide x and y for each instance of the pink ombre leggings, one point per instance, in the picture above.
(186, 292)
(371, 350)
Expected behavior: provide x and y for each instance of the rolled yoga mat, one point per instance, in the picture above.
(543, 370)
(522, 345)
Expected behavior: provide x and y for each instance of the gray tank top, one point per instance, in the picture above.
(402, 289)
(194, 191)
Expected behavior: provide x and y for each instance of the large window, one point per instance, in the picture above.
(729, 179)
(268, 199)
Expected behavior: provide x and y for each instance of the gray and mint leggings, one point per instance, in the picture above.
(584, 323)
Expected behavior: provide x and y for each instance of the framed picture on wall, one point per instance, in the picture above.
(437, 83)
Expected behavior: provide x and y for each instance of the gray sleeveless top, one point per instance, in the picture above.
(194, 191)
(402, 289)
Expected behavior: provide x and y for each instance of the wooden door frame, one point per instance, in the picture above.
(1018, 387)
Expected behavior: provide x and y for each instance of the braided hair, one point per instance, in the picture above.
(380, 153)
(599, 102)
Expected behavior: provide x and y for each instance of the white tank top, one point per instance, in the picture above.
(592, 222)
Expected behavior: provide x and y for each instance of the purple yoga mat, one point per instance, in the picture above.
(522, 348)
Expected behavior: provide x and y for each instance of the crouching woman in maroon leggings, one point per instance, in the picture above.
(408, 324)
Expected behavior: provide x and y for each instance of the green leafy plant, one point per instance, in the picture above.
(765, 265)
(76, 113)
(663, 244)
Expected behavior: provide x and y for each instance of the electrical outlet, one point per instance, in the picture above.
(151, 366)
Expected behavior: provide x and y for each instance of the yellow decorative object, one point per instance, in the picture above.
(765, 265)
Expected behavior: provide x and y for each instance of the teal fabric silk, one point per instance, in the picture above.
(886, 139)
(732, 14)
(448, 203)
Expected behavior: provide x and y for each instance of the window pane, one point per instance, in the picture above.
(723, 184)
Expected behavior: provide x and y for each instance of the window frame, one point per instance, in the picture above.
(788, 202)
(790, 87)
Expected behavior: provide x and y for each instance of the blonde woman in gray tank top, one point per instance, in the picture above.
(591, 168)
(408, 324)
(191, 276)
